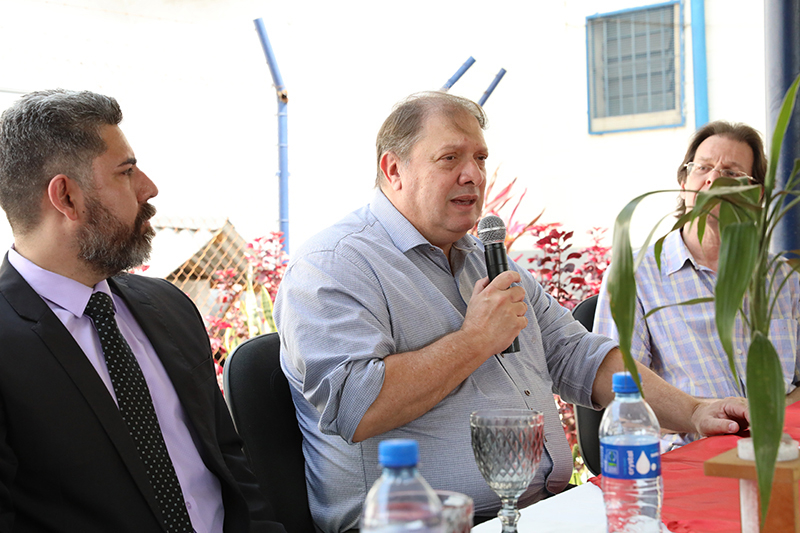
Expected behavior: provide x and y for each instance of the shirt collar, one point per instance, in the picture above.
(676, 254)
(60, 290)
(402, 232)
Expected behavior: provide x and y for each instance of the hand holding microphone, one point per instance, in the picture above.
(492, 232)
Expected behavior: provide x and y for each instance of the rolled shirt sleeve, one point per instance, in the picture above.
(343, 333)
(372, 286)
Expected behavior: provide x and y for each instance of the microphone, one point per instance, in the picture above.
(492, 233)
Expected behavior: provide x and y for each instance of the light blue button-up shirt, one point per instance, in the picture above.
(371, 286)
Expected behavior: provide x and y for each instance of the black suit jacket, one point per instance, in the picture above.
(67, 461)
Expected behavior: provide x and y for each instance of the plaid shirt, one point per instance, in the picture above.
(681, 343)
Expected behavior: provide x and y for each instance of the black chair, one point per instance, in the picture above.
(587, 421)
(261, 405)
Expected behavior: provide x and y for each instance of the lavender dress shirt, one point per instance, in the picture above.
(67, 298)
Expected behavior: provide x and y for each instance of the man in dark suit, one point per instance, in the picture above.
(106, 425)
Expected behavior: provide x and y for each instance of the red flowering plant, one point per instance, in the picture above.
(268, 261)
(246, 304)
(567, 273)
(228, 329)
(570, 275)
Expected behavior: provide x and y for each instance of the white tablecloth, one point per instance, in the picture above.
(577, 510)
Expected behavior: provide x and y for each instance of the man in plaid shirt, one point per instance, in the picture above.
(680, 343)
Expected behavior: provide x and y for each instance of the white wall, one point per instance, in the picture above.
(200, 110)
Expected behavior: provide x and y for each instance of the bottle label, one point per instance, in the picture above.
(635, 461)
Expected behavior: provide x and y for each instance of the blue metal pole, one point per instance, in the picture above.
(283, 172)
(492, 86)
(781, 28)
(460, 72)
(283, 143)
(699, 64)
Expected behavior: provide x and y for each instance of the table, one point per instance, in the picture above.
(696, 503)
(579, 509)
(693, 502)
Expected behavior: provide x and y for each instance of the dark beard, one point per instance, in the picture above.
(111, 247)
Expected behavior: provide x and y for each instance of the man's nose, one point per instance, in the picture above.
(147, 189)
(713, 174)
(472, 173)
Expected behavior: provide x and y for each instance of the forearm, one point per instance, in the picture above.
(414, 382)
(676, 410)
(673, 407)
(793, 396)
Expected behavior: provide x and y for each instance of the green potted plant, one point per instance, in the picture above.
(747, 216)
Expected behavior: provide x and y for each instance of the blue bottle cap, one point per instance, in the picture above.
(398, 453)
(623, 382)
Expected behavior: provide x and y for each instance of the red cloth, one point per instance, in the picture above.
(696, 503)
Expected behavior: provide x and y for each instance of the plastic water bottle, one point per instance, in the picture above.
(631, 461)
(401, 500)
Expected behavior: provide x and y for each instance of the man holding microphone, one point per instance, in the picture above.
(390, 328)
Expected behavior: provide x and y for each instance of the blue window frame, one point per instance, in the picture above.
(635, 68)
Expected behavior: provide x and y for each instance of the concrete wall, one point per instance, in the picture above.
(200, 111)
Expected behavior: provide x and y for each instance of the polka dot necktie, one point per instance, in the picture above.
(136, 407)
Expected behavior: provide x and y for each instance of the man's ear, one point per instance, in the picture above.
(682, 194)
(390, 166)
(65, 196)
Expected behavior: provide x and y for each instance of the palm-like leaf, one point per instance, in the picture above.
(766, 395)
(622, 285)
(738, 255)
(746, 215)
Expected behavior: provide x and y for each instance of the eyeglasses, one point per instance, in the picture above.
(702, 170)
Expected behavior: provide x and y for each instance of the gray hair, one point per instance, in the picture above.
(734, 131)
(403, 127)
(43, 134)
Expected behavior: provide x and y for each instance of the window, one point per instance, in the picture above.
(635, 68)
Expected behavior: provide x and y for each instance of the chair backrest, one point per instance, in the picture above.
(587, 420)
(258, 397)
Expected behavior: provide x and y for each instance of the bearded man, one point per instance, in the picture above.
(110, 418)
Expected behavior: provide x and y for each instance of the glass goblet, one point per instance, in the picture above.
(507, 444)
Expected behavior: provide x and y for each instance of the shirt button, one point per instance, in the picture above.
(527, 392)
(188, 505)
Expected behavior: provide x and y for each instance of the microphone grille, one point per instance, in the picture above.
(491, 229)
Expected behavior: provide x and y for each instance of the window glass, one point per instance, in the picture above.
(635, 68)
